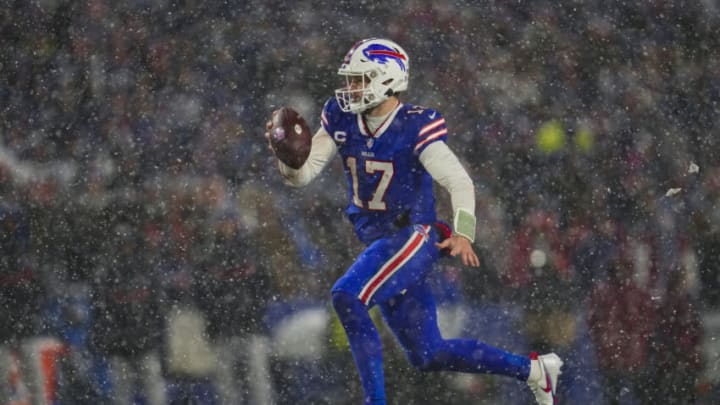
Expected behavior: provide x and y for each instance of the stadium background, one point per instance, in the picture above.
(136, 190)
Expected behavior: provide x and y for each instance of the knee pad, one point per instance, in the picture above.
(422, 361)
(344, 302)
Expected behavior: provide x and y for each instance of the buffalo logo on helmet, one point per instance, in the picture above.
(382, 54)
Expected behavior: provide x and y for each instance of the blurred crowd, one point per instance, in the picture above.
(144, 225)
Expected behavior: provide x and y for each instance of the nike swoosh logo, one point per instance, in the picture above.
(548, 383)
(432, 116)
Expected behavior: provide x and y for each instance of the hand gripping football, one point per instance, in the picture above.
(290, 137)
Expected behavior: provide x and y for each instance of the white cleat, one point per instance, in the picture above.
(544, 372)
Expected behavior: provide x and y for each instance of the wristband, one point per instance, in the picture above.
(464, 224)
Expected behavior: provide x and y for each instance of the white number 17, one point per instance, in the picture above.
(377, 201)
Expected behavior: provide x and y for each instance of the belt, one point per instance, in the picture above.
(443, 230)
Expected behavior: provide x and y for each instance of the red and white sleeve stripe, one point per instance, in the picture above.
(431, 132)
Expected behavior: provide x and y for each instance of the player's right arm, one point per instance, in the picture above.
(323, 150)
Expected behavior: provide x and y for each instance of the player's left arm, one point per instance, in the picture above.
(445, 168)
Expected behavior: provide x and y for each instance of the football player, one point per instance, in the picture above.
(392, 151)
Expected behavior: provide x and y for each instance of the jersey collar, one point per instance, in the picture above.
(381, 129)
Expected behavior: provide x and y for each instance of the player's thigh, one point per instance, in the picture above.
(412, 317)
(390, 265)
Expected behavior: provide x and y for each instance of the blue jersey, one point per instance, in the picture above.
(388, 187)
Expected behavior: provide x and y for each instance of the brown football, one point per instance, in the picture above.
(290, 137)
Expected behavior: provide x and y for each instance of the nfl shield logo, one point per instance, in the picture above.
(370, 142)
